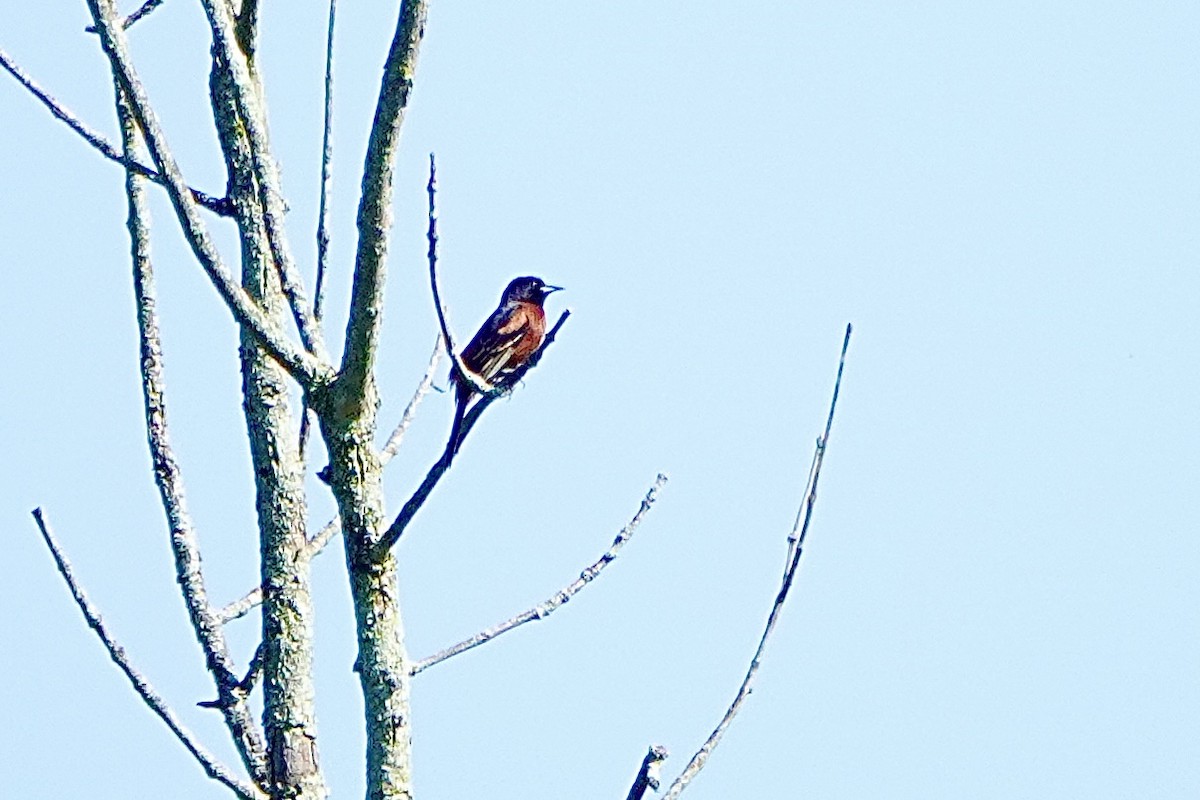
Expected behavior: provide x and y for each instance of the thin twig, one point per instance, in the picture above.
(647, 777)
(150, 697)
(326, 173)
(308, 418)
(254, 672)
(392, 446)
(795, 549)
(247, 602)
(167, 474)
(543, 610)
(477, 382)
(146, 8)
(246, 684)
(217, 205)
(418, 498)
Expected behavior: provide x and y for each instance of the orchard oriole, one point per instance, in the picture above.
(507, 340)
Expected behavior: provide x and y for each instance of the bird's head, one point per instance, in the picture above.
(529, 289)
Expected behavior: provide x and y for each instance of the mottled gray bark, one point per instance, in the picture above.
(375, 205)
(289, 717)
(382, 666)
(347, 414)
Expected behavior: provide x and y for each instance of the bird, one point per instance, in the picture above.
(502, 346)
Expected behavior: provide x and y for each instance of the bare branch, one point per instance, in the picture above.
(307, 416)
(374, 210)
(252, 599)
(254, 672)
(150, 697)
(145, 9)
(392, 446)
(245, 88)
(218, 205)
(168, 477)
(647, 777)
(543, 610)
(304, 367)
(414, 503)
(477, 382)
(326, 172)
(245, 604)
(795, 549)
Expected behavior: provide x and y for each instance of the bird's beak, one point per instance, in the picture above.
(547, 289)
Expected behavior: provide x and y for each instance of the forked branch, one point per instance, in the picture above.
(308, 370)
(243, 605)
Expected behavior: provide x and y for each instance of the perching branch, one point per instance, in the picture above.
(184, 545)
(218, 205)
(306, 369)
(543, 610)
(414, 503)
(243, 605)
(795, 549)
(375, 205)
(150, 697)
(647, 777)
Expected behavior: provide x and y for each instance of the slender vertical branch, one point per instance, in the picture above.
(392, 446)
(326, 172)
(478, 384)
(307, 418)
(184, 543)
(150, 697)
(795, 549)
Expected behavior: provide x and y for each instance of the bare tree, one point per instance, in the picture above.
(283, 346)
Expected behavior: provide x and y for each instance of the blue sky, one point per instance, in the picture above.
(999, 596)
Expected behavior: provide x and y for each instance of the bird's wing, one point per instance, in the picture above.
(491, 351)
